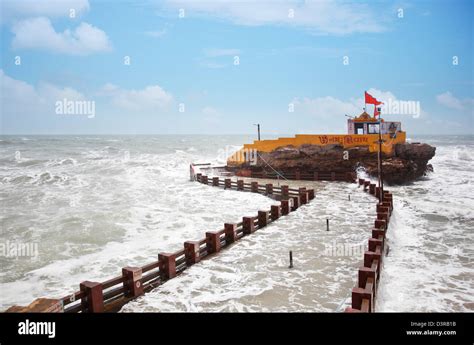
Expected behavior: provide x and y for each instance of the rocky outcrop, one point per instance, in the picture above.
(407, 162)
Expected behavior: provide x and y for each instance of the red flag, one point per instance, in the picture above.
(369, 99)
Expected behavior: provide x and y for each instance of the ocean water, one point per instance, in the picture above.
(93, 204)
(430, 265)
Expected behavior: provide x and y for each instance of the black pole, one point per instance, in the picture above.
(291, 259)
(258, 128)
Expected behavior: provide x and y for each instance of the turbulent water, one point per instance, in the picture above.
(90, 205)
(430, 266)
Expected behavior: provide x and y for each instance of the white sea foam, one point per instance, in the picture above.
(253, 274)
(429, 267)
(94, 208)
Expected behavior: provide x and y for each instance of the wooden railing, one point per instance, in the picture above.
(283, 192)
(364, 294)
(308, 176)
(112, 294)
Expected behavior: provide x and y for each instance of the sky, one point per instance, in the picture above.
(219, 67)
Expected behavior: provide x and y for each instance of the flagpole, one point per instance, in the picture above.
(380, 160)
(374, 101)
(365, 98)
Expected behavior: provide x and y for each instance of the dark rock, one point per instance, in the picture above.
(407, 162)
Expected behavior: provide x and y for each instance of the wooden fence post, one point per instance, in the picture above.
(230, 231)
(262, 218)
(358, 295)
(213, 241)
(132, 284)
(269, 188)
(93, 302)
(248, 225)
(254, 187)
(369, 257)
(383, 216)
(376, 233)
(380, 224)
(285, 192)
(303, 195)
(285, 207)
(191, 252)
(275, 212)
(382, 209)
(167, 265)
(364, 274)
(374, 243)
(296, 203)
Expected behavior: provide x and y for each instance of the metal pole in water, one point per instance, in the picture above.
(291, 259)
(349, 197)
(327, 224)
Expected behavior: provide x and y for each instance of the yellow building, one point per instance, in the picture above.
(362, 131)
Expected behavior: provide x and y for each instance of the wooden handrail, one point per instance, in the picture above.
(110, 294)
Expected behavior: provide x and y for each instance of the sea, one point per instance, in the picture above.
(76, 208)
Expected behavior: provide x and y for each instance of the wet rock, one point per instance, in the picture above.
(407, 162)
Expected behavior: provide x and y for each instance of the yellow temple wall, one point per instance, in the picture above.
(346, 140)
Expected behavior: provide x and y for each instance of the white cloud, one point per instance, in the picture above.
(109, 88)
(327, 107)
(38, 33)
(323, 16)
(14, 9)
(19, 98)
(324, 114)
(218, 57)
(148, 99)
(448, 100)
(398, 107)
(328, 111)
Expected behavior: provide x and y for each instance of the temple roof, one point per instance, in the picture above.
(364, 117)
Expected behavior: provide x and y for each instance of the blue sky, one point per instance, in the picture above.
(301, 65)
